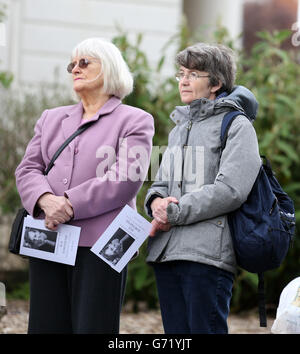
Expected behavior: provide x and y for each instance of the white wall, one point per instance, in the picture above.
(42, 33)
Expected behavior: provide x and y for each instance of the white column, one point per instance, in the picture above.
(13, 47)
(205, 14)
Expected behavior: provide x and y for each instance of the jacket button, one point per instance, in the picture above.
(65, 181)
(219, 222)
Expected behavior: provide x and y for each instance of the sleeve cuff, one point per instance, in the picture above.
(68, 195)
(148, 202)
(35, 210)
(173, 213)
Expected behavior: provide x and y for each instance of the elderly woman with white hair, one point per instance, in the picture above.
(95, 176)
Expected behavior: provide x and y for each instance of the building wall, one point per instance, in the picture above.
(42, 33)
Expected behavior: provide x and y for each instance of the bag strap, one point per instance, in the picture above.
(62, 147)
(226, 124)
(261, 300)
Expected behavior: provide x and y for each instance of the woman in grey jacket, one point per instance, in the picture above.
(196, 187)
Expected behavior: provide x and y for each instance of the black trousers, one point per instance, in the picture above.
(85, 298)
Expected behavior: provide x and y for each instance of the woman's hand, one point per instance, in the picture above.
(159, 208)
(156, 226)
(58, 210)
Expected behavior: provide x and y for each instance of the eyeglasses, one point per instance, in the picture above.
(83, 63)
(192, 76)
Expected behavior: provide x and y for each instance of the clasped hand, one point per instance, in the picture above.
(159, 212)
(58, 210)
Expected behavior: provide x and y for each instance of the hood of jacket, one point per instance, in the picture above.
(240, 99)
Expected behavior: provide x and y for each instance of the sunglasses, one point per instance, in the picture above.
(83, 63)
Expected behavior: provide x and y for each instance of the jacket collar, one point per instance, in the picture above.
(239, 99)
(198, 110)
(73, 119)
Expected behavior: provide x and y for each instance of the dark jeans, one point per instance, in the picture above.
(194, 297)
(85, 298)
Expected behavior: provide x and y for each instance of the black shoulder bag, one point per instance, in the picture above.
(17, 227)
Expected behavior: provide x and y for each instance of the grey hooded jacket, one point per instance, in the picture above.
(207, 184)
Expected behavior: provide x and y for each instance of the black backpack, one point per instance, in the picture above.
(263, 227)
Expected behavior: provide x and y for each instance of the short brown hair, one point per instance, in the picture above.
(217, 60)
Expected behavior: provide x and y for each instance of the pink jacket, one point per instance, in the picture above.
(100, 171)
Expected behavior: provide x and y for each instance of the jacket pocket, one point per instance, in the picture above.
(203, 238)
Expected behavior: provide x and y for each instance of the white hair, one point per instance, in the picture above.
(117, 79)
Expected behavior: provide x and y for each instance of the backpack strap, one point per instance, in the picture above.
(261, 300)
(226, 124)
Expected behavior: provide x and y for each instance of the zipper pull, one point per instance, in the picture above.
(189, 125)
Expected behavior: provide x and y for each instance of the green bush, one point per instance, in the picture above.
(19, 113)
(20, 292)
(273, 74)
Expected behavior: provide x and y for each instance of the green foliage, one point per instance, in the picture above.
(153, 92)
(20, 292)
(18, 115)
(6, 78)
(2, 11)
(273, 74)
